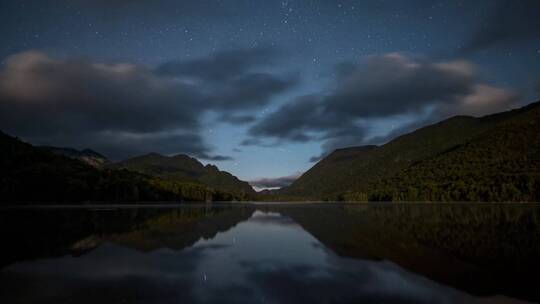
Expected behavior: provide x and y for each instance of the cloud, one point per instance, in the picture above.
(121, 109)
(380, 87)
(235, 77)
(394, 83)
(512, 21)
(68, 95)
(221, 65)
(251, 90)
(219, 158)
(291, 122)
(278, 182)
(484, 99)
(252, 141)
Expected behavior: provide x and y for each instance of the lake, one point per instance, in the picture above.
(271, 253)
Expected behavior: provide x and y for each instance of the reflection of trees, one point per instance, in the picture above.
(180, 228)
(482, 249)
(41, 233)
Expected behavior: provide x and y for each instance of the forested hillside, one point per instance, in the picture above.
(33, 175)
(186, 169)
(493, 158)
(502, 164)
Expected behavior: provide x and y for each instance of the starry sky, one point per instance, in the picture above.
(261, 88)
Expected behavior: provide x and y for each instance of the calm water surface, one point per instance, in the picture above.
(271, 254)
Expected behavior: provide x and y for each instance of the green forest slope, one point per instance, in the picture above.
(34, 175)
(500, 149)
(186, 169)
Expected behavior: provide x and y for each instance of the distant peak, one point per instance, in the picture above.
(181, 155)
(211, 167)
(533, 104)
(185, 157)
(355, 149)
(458, 117)
(88, 156)
(93, 153)
(366, 147)
(153, 154)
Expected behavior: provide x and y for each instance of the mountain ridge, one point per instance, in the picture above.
(30, 175)
(182, 167)
(351, 173)
(88, 156)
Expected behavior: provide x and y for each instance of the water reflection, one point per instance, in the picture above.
(226, 254)
(482, 249)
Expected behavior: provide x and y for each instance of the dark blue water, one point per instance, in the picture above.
(251, 254)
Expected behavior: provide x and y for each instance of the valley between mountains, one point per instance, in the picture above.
(495, 158)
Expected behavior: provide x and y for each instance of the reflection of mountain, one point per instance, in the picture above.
(41, 233)
(481, 249)
(180, 228)
(492, 158)
(267, 258)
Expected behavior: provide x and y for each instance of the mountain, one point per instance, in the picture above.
(88, 156)
(187, 169)
(492, 158)
(30, 174)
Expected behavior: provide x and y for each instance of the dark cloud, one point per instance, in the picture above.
(219, 158)
(222, 65)
(381, 87)
(278, 182)
(125, 109)
(234, 77)
(291, 122)
(393, 84)
(512, 21)
(251, 90)
(84, 95)
(258, 142)
(483, 99)
(317, 158)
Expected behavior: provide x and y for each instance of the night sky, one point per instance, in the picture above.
(260, 88)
